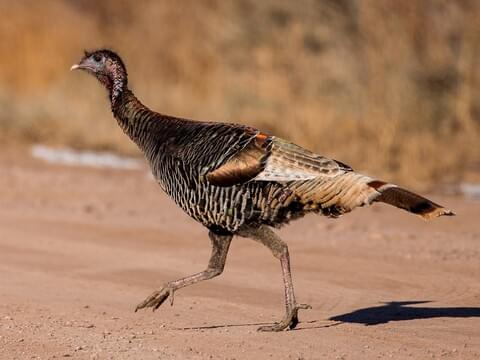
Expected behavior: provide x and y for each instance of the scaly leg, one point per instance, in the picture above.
(267, 237)
(216, 264)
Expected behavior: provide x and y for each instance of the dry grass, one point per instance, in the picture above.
(389, 87)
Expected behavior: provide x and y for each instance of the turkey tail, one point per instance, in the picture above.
(407, 200)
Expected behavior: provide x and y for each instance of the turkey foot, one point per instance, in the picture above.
(157, 298)
(290, 321)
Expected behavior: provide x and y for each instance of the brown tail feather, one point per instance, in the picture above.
(408, 200)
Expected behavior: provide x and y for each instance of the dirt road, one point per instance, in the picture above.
(80, 247)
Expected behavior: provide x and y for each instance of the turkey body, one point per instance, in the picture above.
(183, 153)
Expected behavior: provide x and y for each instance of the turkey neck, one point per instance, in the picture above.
(146, 128)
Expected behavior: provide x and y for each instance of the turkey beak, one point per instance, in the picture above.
(83, 65)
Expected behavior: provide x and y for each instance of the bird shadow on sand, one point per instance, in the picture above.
(218, 326)
(401, 310)
(223, 326)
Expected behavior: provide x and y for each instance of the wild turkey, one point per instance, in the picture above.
(237, 180)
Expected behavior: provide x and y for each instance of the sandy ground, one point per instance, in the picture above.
(80, 247)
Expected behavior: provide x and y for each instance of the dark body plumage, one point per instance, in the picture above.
(236, 180)
(182, 152)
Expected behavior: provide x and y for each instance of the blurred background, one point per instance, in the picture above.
(389, 87)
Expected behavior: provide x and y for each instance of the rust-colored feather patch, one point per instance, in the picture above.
(376, 184)
(243, 166)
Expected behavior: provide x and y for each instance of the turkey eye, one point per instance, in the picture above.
(97, 57)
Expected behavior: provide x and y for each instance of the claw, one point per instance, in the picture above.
(303, 307)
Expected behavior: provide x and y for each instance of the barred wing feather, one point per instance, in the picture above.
(316, 181)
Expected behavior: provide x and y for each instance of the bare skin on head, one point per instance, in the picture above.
(236, 180)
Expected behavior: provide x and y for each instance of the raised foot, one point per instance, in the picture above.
(157, 298)
(290, 321)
